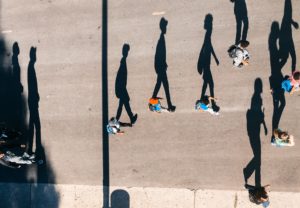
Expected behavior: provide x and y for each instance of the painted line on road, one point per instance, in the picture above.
(158, 13)
(6, 31)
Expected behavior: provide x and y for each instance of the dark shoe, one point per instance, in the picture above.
(172, 108)
(133, 119)
(215, 107)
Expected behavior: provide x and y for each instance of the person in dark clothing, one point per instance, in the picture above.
(121, 89)
(204, 60)
(160, 65)
(276, 77)
(17, 89)
(33, 104)
(255, 118)
(286, 43)
(241, 16)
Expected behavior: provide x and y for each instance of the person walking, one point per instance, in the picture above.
(160, 65)
(121, 87)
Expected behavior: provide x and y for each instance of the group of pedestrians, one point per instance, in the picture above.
(16, 147)
(240, 58)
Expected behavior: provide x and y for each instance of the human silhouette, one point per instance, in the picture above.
(286, 42)
(160, 65)
(121, 87)
(255, 117)
(276, 77)
(204, 60)
(241, 17)
(33, 105)
(17, 86)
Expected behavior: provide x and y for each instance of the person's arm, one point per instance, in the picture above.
(292, 90)
(213, 53)
(295, 24)
(212, 98)
(264, 123)
(245, 62)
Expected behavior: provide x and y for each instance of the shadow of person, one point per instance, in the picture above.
(120, 199)
(255, 117)
(204, 60)
(17, 90)
(286, 42)
(121, 89)
(160, 65)
(276, 77)
(241, 17)
(33, 105)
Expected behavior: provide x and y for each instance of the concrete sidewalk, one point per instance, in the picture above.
(84, 196)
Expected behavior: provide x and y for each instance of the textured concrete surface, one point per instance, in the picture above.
(78, 196)
(185, 149)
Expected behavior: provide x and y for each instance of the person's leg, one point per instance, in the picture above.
(157, 86)
(238, 30)
(257, 160)
(167, 90)
(37, 125)
(257, 171)
(275, 119)
(245, 28)
(211, 87)
(249, 169)
(203, 88)
(279, 105)
(119, 111)
(30, 134)
(128, 109)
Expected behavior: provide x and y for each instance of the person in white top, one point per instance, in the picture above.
(241, 54)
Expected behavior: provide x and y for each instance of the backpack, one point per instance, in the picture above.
(232, 51)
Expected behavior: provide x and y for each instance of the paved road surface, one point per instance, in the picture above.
(185, 149)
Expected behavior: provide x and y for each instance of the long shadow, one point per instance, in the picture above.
(276, 77)
(255, 117)
(204, 60)
(48, 196)
(160, 64)
(241, 17)
(14, 117)
(286, 41)
(105, 137)
(121, 89)
(33, 105)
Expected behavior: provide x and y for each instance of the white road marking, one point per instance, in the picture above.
(158, 13)
(6, 31)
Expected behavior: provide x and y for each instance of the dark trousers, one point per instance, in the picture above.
(127, 107)
(162, 78)
(279, 104)
(239, 22)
